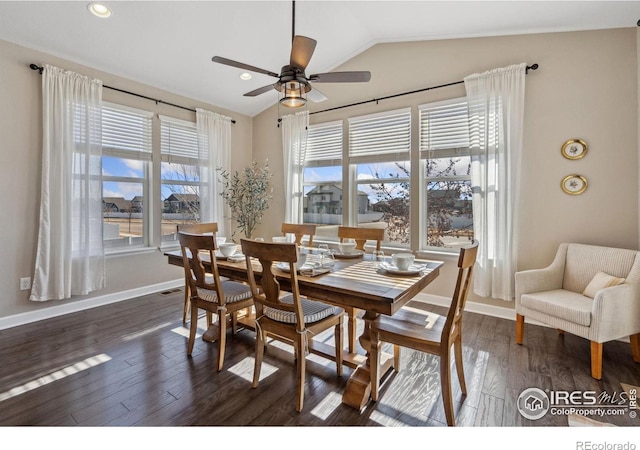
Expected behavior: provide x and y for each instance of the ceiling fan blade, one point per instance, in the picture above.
(239, 65)
(261, 90)
(316, 96)
(341, 77)
(301, 52)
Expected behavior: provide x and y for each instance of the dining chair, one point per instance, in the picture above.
(194, 228)
(428, 332)
(300, 230)
(361, 236)
(208, 292)
(287, 315)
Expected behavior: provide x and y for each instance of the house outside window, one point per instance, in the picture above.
(379, 159)
(180, 175)
(379, 186)
(126, 158)
(322, 179)
(446, 170)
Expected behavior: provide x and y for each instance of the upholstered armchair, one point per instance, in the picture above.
(590, 291)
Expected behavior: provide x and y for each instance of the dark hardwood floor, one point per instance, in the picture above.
(125, 364)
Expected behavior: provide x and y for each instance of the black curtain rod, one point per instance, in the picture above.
(531, 67)
(40, 69)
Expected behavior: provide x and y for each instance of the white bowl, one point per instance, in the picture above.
(220, 240)
(227, 249)
(347, 248)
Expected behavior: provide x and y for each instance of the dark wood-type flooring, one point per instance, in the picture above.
(125, 364)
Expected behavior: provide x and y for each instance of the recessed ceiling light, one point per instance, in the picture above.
(99, 10)
(245, 76)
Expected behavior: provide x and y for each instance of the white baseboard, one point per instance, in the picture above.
(480, 308)
(59, 310)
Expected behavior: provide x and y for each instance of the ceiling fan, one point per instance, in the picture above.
(292, 80)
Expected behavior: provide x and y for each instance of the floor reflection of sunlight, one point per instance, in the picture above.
(385, 420)
(55, 376)
(244, 369)
(138, 334)
(182, 331)
(327, 406)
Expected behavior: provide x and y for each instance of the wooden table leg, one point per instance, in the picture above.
(358, 390)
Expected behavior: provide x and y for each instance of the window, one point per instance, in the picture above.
(322, 178)
(179, 175)
(379, 157)
(126, 157)
(446, 164)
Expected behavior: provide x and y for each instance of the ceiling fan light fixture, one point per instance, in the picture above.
(295, 95)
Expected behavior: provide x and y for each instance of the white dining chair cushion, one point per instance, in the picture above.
(312, 311)
(233, 292)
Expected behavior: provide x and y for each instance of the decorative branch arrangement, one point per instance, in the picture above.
(247, 194)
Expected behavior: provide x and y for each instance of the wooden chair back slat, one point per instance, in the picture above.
(362, 235)
(300, 230)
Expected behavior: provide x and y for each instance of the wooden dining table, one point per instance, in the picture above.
(353, 282)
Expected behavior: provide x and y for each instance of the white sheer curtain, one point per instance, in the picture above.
(70, 255)
(214, 149)
(294, 144)
(496, 115)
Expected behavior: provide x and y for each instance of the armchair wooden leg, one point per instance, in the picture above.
(635, 346)
(519, 328)
(339, 347)
(596, 360)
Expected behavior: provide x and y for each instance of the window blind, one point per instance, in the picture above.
(444, 128)
(178, 141)
(324, 144)
(126, 132)
(380, 137)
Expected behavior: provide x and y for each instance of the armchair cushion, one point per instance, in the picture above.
(560, 303)
(601, 280)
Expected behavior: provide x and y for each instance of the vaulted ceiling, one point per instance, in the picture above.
(169, 45)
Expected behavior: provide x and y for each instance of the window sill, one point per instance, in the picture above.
(129, 251)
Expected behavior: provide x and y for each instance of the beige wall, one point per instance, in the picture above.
(586, 87)
(20, 161)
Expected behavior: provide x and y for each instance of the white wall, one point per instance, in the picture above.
(20, 161)
(586, 87)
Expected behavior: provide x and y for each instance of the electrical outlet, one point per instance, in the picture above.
(25, 283)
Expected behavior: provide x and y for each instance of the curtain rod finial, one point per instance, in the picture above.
(36, 67)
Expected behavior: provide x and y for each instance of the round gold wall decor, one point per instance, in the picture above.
(574, 184)
(574, 149)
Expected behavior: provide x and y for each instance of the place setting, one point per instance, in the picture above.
(401, 264)
(347, 250)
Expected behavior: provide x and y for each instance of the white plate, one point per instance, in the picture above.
(353, 254)
(414, 269)
(284, 266)
(237, 257)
